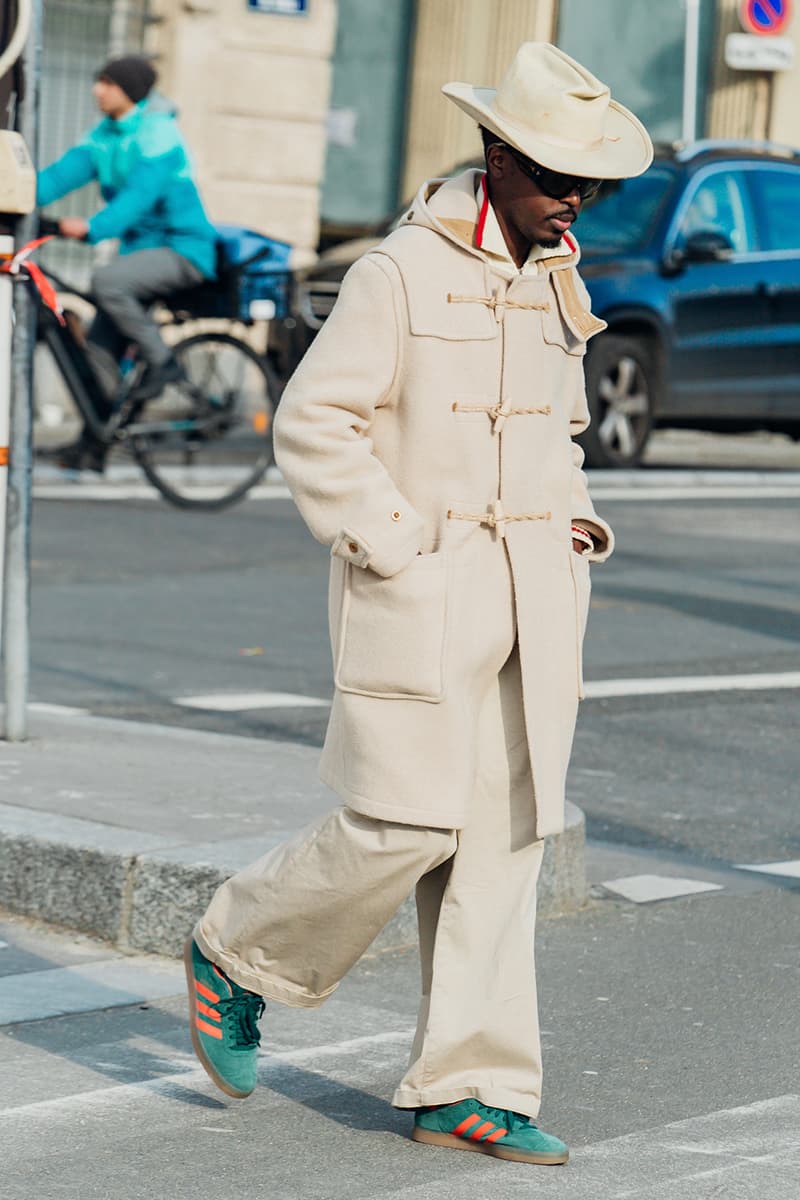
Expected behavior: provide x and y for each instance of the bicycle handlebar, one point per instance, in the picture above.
(49, 227)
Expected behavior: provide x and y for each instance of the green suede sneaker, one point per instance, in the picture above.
(223, 1020)
(470, 1125)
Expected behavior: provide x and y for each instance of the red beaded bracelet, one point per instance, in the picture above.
(584, 536)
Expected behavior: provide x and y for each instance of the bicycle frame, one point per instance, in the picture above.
(76, 372)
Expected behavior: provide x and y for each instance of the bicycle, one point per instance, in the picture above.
(205, 441)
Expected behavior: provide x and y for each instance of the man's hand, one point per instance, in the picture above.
(73, 227)
(577, 546)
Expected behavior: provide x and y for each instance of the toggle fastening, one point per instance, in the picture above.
(496, 518)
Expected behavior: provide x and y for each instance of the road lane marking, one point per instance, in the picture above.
(142, 491)
(57, 710)
(601, 689)
(789, 870)
(595, 689)
(644, 889)
(247, 701)
(695, 493)
(193, 1075)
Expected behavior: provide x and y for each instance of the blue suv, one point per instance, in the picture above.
(695, 265)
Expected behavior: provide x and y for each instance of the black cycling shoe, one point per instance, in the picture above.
(82, 455)
(155, 379)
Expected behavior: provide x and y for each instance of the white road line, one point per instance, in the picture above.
(695, 493)
(597, 689)
(604, 688)
(790, 870)
(245, 701)
(57, 710)
(644, 889)
(192, 1076)
(141, 491)
(134, 491)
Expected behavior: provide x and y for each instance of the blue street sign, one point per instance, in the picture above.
(282, 8)
(765, 16)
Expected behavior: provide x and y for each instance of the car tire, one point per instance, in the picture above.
(620, 387)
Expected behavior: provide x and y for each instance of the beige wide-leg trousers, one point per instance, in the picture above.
(291, 925)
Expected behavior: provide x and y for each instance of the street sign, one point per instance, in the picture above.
(282, 8)
(746, 52)
(765, 17)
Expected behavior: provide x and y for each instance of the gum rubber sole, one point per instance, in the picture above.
(204, 1060)
(431, 1138)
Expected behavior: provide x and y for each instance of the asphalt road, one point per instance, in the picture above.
(136, 606)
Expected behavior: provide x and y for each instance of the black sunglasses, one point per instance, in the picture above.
(554, 183)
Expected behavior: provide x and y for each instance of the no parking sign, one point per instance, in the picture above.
(766, 17)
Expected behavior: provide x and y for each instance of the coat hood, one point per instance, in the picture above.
(154, 105)
(448, 207)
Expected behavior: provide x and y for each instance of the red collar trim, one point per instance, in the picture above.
(483, 215)
(570, 240)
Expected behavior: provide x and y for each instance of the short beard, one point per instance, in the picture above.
(549, 243)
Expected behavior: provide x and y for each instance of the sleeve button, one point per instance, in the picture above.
(352, 547)
(396, 515)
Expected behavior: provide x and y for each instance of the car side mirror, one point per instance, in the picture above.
(705, 246)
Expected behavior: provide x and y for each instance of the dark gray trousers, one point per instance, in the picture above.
(125, 289)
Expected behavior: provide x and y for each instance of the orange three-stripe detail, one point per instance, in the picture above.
(206, 992)
(478, 1133)
(208, 1012)
(498, 1133)
(211, 1030)
(466, 1124)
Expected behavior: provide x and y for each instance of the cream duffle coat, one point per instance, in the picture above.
(427, 429)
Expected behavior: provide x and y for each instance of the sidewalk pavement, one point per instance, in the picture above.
(124, 830)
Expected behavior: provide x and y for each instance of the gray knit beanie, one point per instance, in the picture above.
(133, 73)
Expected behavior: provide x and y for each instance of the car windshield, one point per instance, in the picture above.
(622, 217)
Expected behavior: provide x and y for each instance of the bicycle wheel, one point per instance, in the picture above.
(205, 441)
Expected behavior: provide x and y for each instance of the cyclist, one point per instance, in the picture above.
(153, 207)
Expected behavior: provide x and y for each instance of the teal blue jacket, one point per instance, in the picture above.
(142, 165)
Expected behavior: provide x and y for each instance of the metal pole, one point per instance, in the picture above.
(6, 286)
(691, 46)
(16, 625)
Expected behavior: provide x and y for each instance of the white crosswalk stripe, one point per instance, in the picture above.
(789, 870)
(643, 889)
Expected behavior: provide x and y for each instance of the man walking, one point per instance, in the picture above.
(426, 438)
(153, 207)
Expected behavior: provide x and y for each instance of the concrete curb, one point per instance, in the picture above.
(142, 894)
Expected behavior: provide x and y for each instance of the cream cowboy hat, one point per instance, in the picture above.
(554, 111)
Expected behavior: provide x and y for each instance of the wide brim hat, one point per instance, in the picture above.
(557, 113)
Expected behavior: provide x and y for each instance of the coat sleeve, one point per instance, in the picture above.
(146, 184)
(582, 508)
(71, 171)
(322, 429)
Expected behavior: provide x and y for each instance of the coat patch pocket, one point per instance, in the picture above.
(392, 632)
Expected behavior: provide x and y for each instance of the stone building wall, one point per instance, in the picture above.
(253, 91)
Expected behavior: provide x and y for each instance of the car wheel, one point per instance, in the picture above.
(620, 386)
